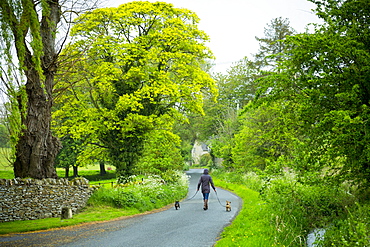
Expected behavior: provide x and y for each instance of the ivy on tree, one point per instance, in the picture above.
(28, 28)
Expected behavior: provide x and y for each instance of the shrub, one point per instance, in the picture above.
(205, 160)
(292, 209)
(249, 179)
(353, 230)
(298, 208)
(142, 193)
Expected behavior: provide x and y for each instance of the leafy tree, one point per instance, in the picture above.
(237, 89)
(130, 69)
(221, 123)
(68, 155)
(161, 153)
(261, 141)
(238, 86)
(273, 43)
(222, 143)
(188, 134)
(28, 29)
(325, 77)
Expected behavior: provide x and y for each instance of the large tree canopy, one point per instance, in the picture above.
(325, 78)
(128, 71)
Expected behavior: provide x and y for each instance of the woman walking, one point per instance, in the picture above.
(206, 180)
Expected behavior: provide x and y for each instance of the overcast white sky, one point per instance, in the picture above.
(233, 24)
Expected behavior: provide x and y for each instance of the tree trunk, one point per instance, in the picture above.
(75, 171)
(37, 148)
(102, 168)
(66, 171)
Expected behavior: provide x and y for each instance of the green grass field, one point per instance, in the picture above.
(90, 172)
(4, 159)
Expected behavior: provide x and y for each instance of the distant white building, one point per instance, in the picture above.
(198, 150)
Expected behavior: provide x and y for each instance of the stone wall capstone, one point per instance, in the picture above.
(30, 199)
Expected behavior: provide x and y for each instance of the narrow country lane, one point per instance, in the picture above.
(188, 226)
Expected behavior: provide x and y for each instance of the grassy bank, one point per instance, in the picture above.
(284, 211)
(251, 227)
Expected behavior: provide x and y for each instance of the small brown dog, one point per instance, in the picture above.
(228, 206)
(177, 205)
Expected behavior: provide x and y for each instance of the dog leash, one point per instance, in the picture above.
(219, 199)
(192, 196)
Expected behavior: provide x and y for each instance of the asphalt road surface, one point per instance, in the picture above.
(188, 226)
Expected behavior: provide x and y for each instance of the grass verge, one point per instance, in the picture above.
(251, 227)
(88, 215)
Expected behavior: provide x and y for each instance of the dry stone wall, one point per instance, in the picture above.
(29, 199)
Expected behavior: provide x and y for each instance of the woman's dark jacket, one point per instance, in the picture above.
(206, 180)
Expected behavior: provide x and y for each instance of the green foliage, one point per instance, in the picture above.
(223, 142)
(68, 154)
(322, 86)
(142, 193)
(205, 160)
(297, 208)
(281, 211)
(272, 45)
(250, 179)
(239, 86)
(4, 136)
(257, 142)
(160, 154)
(19, 21)
(350, 231)
(131, 70)
(14, 111)
(260, 141)
(237, 89)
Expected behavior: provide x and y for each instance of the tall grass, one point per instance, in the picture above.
(351, 230)
(281, 211)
